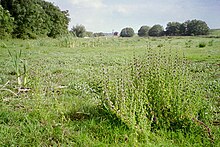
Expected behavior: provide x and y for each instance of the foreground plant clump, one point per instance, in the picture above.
(156, 91)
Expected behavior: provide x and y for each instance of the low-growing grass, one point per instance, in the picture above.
(111, 92)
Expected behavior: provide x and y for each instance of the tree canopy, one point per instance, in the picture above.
(188, 28)
(143, 31)
(34, 18)
(197, 27)
(156, 30)
(173, 29)
(79, 31)
(6, 23)
(127, 32)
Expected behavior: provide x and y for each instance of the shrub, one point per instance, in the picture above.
(79, 31)
(154, 92)
(127, 32)
(160, 45)
(202, 44)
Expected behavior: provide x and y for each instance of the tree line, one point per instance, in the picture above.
(188, 28)
(38, 18)
(32, 18)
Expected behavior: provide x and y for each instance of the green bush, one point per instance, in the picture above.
(154, 92)
(79, 31)
(202, 44)
(127, 32)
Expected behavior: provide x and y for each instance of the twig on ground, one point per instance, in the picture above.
(206, 127)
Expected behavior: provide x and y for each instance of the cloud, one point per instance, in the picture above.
(88, 3)
(125, 8)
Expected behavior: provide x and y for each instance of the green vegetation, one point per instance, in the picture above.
(127, 32)
(173, 29)
(215, 33)
(156, 30)
(105, 91)
(98, 34)
(188, 28)
(34, 18)
(161, 91)
(196, 27)
(6, 23)
(79, 31)
(143, 31)
(20, 68)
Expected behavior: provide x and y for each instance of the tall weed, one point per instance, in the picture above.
(155, 91)
(20, 67)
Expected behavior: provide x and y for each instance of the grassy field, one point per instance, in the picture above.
(50, 91)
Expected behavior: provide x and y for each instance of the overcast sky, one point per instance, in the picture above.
(108, 15)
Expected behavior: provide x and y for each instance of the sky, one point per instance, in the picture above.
(114, 15)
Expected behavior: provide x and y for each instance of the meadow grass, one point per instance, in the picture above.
(69, 79)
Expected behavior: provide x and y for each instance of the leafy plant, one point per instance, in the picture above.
(153, 92)
(202, 44)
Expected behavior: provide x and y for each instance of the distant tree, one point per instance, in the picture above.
(143, 31)
(156, 30)
(197, 27)
(79, 31)
(127, 32)
(6, 23)
(173, 29)
(98, 34)
(183, 28)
